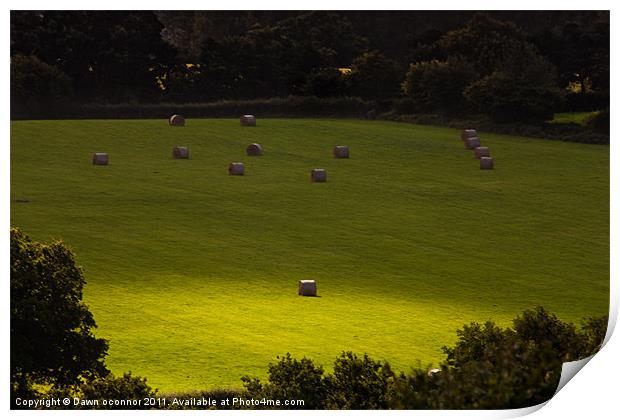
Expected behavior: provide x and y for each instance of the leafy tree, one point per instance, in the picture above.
(109, 55)
(52, 341)
(523, 88)
(373, 76)
(438, 85)
(498, 368)
(35, 84)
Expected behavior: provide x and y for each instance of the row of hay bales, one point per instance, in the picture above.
(234, 168)
(471, 141)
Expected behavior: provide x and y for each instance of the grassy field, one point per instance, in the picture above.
(192, 273)
(573, 117)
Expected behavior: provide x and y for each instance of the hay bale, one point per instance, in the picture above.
(307, 288)
(486, 162)
(176, 120)
(100, 158)
(481, 152)
(472, 143)
(236, 168)
(433, 372)
(466, 134)
(180, 152)
(248, 120)
(341, 152)
(318, 175)
(254, 149)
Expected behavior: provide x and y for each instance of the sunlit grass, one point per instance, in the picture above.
(192, 273)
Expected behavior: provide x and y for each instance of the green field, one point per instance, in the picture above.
(192, 273)
(573, 117)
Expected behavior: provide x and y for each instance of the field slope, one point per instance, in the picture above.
(192, 273)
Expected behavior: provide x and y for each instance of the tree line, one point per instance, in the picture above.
(510, 65)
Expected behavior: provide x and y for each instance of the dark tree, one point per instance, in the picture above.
(52, 341)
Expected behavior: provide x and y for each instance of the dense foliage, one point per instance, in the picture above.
(511, 65)
(52, 341)
(489, 367)
(54, 353)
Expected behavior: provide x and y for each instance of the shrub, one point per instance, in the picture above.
(290, 379)
(126, 387)
(359, 383)
(438, 85)
(290, 106)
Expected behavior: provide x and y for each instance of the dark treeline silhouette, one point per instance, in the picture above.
(140, 57)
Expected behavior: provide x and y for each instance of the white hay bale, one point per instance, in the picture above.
(176, 120)
(254, 149)
(180, 152)
(307, 288)
(100, 158)
(481, 152)
(248, 120)
(341, 152)
(236, 168)
(486, 162)
(466, 134)
(433, 372)
(318, 175)
(472, 143)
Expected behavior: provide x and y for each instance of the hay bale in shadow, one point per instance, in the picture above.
(180, 152)
(318, 175)
(100, 159)
(341, 152)
(236, 168)
(472, 142)
(466, 134)
(486, 162)
(307, 288)
(176, 120)
(481, 152)
(254, 149)
(248, 120)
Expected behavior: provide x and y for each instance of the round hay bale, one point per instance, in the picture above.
(180, 152)
(433, 372)
(248, 120)
(254, 149)
(307, 288)
(176, 120)
(486, 162)
(100, 158)
(465, 134)
(472, 143)
(236, 168)
(341, 152)
(481, 152)
(318, 175)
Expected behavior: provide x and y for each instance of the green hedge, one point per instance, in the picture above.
(291, 106)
